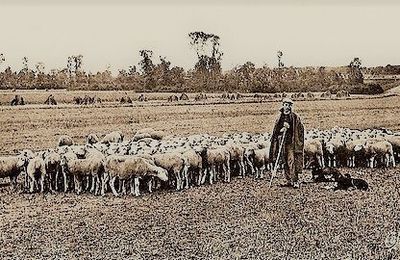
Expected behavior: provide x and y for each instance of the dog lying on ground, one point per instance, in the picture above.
(343, 182)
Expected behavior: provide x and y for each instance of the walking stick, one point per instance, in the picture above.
(274, 170)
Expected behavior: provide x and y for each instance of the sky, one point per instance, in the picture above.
(111, 33)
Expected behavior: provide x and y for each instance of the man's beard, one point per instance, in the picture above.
(287, 112)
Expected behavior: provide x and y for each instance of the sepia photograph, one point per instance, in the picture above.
(188, 129)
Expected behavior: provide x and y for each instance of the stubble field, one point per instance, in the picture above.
(241, 220)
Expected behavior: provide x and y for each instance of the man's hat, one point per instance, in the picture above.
(287, 100)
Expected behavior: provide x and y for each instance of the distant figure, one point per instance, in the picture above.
(17, 100)
(50, 100)
(293, 144)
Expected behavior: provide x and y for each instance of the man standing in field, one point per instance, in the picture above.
(289, 126)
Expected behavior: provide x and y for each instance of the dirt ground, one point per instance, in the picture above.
(241, 220)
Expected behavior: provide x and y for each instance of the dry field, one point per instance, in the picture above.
(241, 220)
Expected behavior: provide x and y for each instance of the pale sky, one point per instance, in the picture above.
(315, 33)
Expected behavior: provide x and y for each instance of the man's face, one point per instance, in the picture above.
(287, 108)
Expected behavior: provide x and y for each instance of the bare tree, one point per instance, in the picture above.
(2, 58)
(74, 64)
(25, 66)
(40, 67)
(280, 63)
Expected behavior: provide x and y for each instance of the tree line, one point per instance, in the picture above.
(158, 75)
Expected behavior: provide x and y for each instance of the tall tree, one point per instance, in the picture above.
(355, 73)
(147, 67)
(280, 63)
(146, 62)
(25, 66)
(209, 56)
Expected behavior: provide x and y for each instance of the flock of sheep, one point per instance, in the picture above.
(155, 161)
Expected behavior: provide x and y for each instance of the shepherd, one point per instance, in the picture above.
(288, 127)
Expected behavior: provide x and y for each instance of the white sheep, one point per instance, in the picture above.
(313, 150)
(194, 159)
(92, 166)
(333, 148)
(52, 162)
(237, 157)
(12, 166)
(36, 171)
(175, 164)
(218, 160)
(383, 149)
(113, 137)
(131, 168)
(65, 140)
(261, 162)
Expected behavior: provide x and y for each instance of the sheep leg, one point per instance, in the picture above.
(13, 181)
(150, 184)
(65, 181)
(262, 172)
(104, 183)
(243, 167)
(251, 167)
(88, 178)
(228, 171)
(186, 177)
(56, 181)
(225, 173)
(26, 181)
(387, 160)
(119, 186)
(132, 185)
(123, 187)
(212, 172)
(334, 161)
(77, 183)
(216, 172)
(199, 177)
(204, 176)
(42, 177)
(393, 161)
(93, 186)
(320, 161)
(32, 185)
(112, 185)
(178, 181)
(371, 162)
(137, 191)
(98, 183)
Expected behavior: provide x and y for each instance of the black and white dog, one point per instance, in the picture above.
(343, 182)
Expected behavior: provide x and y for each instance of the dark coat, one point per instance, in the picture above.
(297, 137)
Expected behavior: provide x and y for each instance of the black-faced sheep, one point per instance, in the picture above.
(92, 139)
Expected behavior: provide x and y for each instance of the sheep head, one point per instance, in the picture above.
(161, 173)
